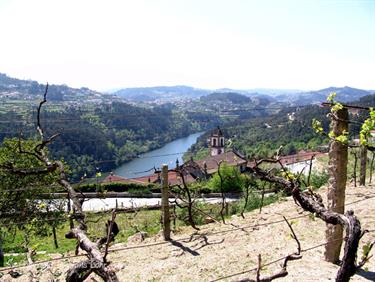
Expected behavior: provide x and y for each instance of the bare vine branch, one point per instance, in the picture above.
(283, 272)
(96, 260)
(313, 203)
(189, 202)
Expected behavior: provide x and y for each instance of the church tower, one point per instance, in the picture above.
(216, 142)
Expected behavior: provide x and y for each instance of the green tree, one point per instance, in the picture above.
(232, 179)
(21, 207)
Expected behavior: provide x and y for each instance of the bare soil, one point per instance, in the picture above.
(223, 251)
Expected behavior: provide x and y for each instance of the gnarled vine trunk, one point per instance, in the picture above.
(313, 203)
(96, 258)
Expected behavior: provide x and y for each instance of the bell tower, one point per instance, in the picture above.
(216, 142)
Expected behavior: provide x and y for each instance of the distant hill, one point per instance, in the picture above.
(160, 92)
(18, 89)
(226, 97)
(13, 88)
(147, 94)
(290, 127)
(262, 96)
(344, 94)
(272, 91)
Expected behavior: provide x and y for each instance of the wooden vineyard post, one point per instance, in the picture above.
(165, 204)
(362, 176)
(337, 168)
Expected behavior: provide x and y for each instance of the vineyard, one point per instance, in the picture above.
(229, 252)
(246, 248)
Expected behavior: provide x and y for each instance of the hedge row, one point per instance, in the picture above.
(119, 187)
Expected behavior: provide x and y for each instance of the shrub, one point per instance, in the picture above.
(317, 180)
(233, 181)
(200, 187)
(119, 187)
(254, 202)
(140, 191)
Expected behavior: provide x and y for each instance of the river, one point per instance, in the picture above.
(166, 155)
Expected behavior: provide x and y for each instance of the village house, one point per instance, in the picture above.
(206, 167)
(218, 155)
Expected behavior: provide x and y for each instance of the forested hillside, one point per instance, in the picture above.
(100, 131)
(226, 97)
(107, 135)
(290, 128)
(344, 94)
(160, 92)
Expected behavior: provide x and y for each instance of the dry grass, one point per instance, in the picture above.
(224, 254)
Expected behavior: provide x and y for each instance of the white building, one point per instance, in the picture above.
(216, 142)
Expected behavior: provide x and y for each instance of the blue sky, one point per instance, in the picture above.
(209, 44)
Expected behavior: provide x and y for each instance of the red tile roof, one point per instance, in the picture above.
(173, 179)
(299, 157)
(120, 179)
(115, 178)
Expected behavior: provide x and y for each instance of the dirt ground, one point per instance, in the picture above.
(223, 251)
